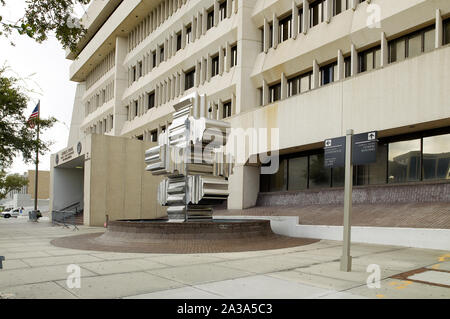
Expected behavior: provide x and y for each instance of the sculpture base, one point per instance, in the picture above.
(161, 236)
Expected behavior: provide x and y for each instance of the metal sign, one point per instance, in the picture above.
(335, 152)
(364, 148)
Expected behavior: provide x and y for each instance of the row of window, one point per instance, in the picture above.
(178, 41)
(101, 127)
(419, 157)
(103, 96)
(316, 15)
(399, 49)
(101, 69)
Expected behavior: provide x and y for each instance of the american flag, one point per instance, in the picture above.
(34, 115)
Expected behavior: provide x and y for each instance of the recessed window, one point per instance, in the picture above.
(404, 161)
(215, 66)
(189, 79)
(300, 20)
(151, 100)
(188, 34)
(161, 54)
(154, 136)
(154, 58)
(140, 69)
(317, 12)
(285, 28)
(274, 92)
(348, 67)
(134, 75)
(227, 109)
(234, 57)
(136, 108)
(370, 59)
(223, 10)
(179, 41)
(210, 19)
(328, 73)
(412, 44)
(446, 31)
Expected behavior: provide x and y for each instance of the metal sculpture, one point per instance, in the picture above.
(191, 154)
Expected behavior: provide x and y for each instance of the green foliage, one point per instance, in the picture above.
(16, 137)
(10, 183)
(43, 17)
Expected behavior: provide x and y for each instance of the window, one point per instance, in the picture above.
(436, 157)
(339, 6)
(299, 84)
(293, 86)
(134, 75)
(412, 44)
(215, 66)
(223, 10)
(227, 109)
(446, 31)
(305, 82)
(319, 176)
(103, 96)
(373, 174)
(179, 41)
(370, 59)
(285, 30)
(140, 137)
(188, 34)
(404, 161)
(298, 173)
(111, 120)
(151, 100)
(97, 100)
(140, 69)
(210, 19)
(161, 54)
(278, 181)
(300, 20)
(154, 58)
(328, 73)
(348, 67)
(274, 92)
(154, 136)
(136, 108)
(316, 11)
(189, 79)
(234, 56)
(128, 112)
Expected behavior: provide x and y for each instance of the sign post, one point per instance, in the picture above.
(346, 259)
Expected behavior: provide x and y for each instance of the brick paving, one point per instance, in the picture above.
(412, 215)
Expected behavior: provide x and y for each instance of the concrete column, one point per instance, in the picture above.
(214, 111)
(203, 71)
(170, 7)
(120, 85)
(354, 60)
(228, 56)
(283, 86)
(233, 104)
(167, 88)
(182, 83)
(194, 29)
(197, 74)
(353, 4)
(265, 93)
(221, 60)
(236, 5)
(204, 21)
(166, 9)
(340, 65)
(158, 55)
(229, 8)
(183, 37)
(315, 75)
(439, 30)
(384, 50)
(166, 49)
(266, 43)
(216, 12)
(275, 31)
(208, 68)
(199, 24)
(294, 24)
(305, 16)
(220, 107)
(328, 5)
(173, 89)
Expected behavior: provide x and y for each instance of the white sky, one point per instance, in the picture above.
(50, 77)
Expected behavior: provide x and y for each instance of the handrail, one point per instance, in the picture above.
(65, 217)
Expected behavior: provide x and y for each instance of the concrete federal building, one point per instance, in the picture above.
(309, 68)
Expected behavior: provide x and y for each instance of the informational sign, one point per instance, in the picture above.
(364, 148)
(335, 152)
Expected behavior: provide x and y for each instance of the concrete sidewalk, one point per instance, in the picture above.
(33, 268)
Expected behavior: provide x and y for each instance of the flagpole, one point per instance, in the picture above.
(36, 175)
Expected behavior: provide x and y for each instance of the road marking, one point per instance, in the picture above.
(443, 257)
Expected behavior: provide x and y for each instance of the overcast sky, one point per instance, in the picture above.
(48, 70)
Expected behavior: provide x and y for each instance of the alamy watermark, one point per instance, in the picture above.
(373, 281)
(74, 279)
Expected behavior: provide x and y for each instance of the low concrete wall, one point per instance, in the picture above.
(407, 193)
(408, 237)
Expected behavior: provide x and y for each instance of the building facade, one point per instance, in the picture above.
(311, 69)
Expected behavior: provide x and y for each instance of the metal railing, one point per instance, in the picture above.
(66, 218)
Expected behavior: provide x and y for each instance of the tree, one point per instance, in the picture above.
(10, 183)
(16, 136)
(43, 17)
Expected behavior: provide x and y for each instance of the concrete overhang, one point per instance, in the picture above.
(118, 23)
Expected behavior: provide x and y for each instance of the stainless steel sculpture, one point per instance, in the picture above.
(191, 154)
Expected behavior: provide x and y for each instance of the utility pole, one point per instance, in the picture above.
(346, 259)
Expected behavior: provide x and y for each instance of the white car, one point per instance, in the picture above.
(12, 213)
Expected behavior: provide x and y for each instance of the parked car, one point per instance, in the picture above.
(11, 213)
